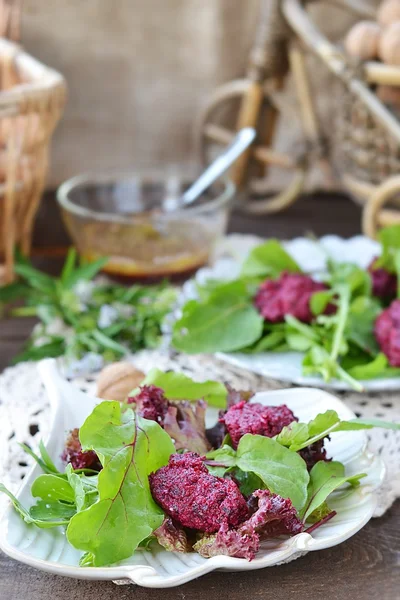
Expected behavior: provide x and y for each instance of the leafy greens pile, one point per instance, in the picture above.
(80, 317)
(110, 514)
(340, 345)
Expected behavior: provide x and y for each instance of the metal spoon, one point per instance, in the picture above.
(221, 164)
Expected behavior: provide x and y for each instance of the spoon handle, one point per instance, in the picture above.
(239, 144)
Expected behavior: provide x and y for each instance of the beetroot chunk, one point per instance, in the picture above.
(387, 332)
(73, 454)
(288, 295)
(194, 498)
(384, 283)
(150, 403)
(272, 516)
(256, 419)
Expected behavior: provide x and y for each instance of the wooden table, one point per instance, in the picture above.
(365, 567)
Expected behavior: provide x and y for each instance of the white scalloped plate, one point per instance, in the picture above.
(311, 256)
(49, 550)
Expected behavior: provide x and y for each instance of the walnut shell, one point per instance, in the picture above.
(388, 12)
(117, 380)
(389, 45)
(362, 40)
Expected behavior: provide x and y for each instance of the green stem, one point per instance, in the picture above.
(344, 306)
(344, 376)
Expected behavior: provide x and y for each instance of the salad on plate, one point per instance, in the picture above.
(147, 471)
(344, 319)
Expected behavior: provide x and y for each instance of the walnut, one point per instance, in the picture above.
(117, 380)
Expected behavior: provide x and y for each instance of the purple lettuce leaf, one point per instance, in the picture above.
(172, 537)
(229, 542)
(273, 516)
(186, 426)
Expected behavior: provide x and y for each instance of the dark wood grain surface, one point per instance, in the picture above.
(365, 567)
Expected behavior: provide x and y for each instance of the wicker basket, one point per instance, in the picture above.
(367, 153)
(32, 99)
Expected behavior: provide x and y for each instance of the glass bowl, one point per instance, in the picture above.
(120, 215)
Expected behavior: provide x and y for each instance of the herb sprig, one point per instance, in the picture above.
(78, 316)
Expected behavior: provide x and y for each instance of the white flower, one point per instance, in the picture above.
(125, 310)
(108, 315)
(84, 290)
(56, 327)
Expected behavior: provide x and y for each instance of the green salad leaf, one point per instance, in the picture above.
(282, 472)
(53, 488)
(129, 448)
(84, 488)
(269, 260)
(325, 477)
(297, 436)
(389, 237)
(35, 516)
(51, 512)
(225, 322)
(178, 386)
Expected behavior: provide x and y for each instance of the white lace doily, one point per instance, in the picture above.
(24, 412)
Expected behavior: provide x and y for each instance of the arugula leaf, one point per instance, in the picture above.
(50, 512)
(268, 260)
(53, 520)
(320, 300)
(297, 436)
(178, 386)
(84, 488)
(360, 325)
(356, 279)
(44, 460)
(299, 336)
(373, 369)
(52, 488)
(226, 455)
(273, 339)
(129, 448)
(325, 477)
(224, 323)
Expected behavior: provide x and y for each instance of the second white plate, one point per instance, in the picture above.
(311, 256)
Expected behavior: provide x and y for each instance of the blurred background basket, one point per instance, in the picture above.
(367, 153)
(32, 99)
